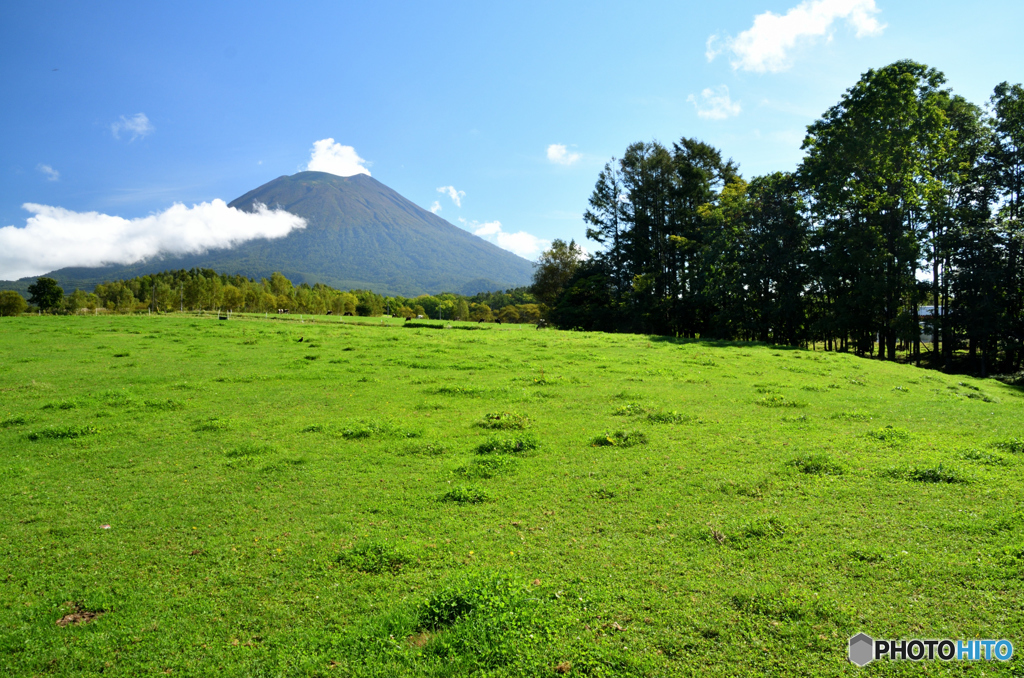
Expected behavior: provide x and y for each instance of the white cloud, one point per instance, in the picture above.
(329, 156)
(51, 174)
(522, 243)
(560, 155)
(766, 45)
(456, 196)
(54, 237)
(715, 103)
(138, 125)
(436, 207)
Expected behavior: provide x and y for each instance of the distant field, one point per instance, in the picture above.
(350, 497)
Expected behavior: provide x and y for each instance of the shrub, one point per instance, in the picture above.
(518, 445)
(817, 464)
(504, 420)
(11, 303)
(621, 439)
(374, 558)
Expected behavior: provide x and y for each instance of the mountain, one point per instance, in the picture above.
(359, 234)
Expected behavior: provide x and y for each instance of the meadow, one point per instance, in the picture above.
(362, 497)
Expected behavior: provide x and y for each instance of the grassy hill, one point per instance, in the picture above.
(360, 234)
(279, 497)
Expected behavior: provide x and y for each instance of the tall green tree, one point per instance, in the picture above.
(1008, 164)
(776, 260)
(46, 294)
(554, 269)
(869, 170)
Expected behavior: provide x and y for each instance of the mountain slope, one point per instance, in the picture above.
(359, 234)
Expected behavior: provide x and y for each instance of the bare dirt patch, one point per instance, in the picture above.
(78, 615)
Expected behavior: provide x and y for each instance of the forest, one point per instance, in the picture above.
(206, 290)
(902, 221)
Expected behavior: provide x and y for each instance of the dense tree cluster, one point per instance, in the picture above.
(908, 197)
(206, 290)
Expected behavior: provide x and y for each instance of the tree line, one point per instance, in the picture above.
(206, 290)
(903, 218)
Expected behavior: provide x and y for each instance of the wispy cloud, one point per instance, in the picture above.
(436, 207)
(54, 237)
(138, 126)
(560, 155)
(715, 103)
(455, 195)
(766, 46)
(51, 174)
(329, 156)
(522, 243)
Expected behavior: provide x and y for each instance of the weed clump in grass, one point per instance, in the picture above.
(621, 439)
(374, 558)
(375, 428)
(504, 420)
(776, 400)
(487, 595)
(986, 458)
(166, 405)
(15, 420)
(518, 444)
(890, 435)
(933, 474)
(768, 603)
(631, 410)
(1013, 445)
(487, 467)
(251, 449)
(817, 464)
(765, 527)
(430, 448)
(470, 391)
(850, 416)
(211, 424)
(465, 495)
(670, 418)
(68, 404)
(62, 432)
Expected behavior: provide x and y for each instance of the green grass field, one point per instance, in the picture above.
(261, 497)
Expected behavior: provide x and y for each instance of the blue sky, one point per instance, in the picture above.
(124, 109)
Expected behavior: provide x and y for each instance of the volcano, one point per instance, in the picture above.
(359, 234)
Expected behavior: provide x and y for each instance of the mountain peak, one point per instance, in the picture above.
(360, 234)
